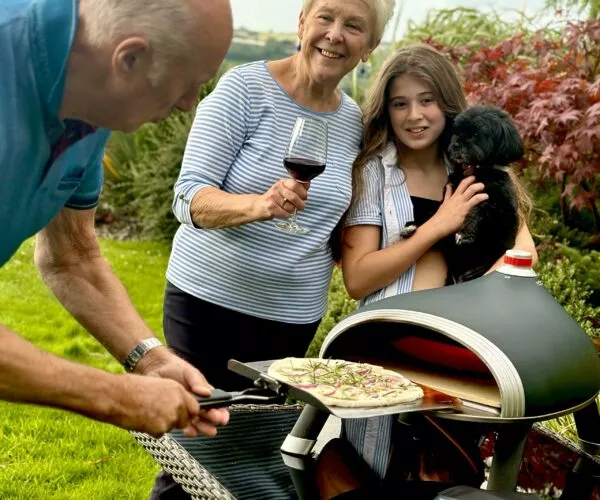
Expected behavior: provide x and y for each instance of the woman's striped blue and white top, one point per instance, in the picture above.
(237, 143)
(385, 202)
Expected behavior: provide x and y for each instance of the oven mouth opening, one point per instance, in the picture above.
(423, 355)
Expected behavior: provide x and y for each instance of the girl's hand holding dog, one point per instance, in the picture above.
(282, 199)
(455, 206)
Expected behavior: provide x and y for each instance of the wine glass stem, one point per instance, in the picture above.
(293, 221)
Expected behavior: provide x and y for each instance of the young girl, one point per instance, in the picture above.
(400, 176)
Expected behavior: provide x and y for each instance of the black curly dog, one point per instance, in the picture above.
(483, 141)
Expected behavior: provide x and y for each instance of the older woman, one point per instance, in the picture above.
(230, 266)
(265, 290)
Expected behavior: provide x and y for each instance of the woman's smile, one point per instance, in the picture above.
(329, 54)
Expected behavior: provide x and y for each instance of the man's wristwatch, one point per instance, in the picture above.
(139, 351)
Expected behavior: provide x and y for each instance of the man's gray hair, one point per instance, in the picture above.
(166, 24)
(382, 9)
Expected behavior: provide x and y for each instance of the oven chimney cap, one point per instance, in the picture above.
(519, 258)
(518, 263)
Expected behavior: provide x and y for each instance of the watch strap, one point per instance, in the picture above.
(139, 351)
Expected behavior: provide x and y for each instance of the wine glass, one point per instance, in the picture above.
(304, 159)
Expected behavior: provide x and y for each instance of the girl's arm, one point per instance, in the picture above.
(367, 268)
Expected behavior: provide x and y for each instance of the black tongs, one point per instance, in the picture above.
(220, 399)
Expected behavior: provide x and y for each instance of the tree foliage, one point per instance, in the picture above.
(551, 87)
(461, 26)
(591, 8)
(143, 169)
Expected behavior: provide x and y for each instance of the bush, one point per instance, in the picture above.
(550, 87)
(586, 270)
(561, 279)
(461, 26)
(144, 168)
(340, 305)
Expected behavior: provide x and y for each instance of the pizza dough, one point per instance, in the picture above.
(343, 383)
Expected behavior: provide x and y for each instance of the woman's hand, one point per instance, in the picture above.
(282, 199)
(455, 206)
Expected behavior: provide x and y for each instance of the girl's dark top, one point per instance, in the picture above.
(423, 210)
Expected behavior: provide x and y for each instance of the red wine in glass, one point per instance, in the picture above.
(303, 169)
(304, 159)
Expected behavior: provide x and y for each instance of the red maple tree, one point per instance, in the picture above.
(551, 87)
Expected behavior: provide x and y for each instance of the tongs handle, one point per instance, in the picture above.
(217, 399)
(220, 398)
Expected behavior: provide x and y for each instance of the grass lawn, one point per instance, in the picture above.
(50, 454)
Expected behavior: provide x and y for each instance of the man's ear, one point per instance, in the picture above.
(132, 57)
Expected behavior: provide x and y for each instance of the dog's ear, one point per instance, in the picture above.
(510, 143)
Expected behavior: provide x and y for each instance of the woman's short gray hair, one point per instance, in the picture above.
(383, 10)
(164, 23)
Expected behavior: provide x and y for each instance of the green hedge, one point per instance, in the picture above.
(561, 279)
(340, 305)
(147, 164)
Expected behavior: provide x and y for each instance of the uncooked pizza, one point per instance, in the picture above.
(343, 383)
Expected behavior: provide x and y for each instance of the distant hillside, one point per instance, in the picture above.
(250, 46)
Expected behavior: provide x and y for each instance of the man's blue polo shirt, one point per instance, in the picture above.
(45, 163)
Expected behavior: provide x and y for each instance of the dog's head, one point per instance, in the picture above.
(484, 136)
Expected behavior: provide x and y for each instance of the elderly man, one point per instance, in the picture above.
(72, 70)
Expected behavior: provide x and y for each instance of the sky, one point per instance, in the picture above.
(282, 15)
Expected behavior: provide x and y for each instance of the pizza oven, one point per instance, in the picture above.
(500, 343)
(500, 346)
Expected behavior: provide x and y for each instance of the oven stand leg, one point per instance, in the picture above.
(302, 472)
(508, 453)
(587, 421)
(296, 451)
(302, 438)
(585, 475)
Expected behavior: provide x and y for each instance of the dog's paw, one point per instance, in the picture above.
(408, 230)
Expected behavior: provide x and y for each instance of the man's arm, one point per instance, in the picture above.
(70, 262)
(68, 257)
(146, 404)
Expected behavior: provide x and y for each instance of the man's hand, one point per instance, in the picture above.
(146, 404)
(150, 405)
(160, 362)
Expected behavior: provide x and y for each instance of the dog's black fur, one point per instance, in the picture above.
(483, 138)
